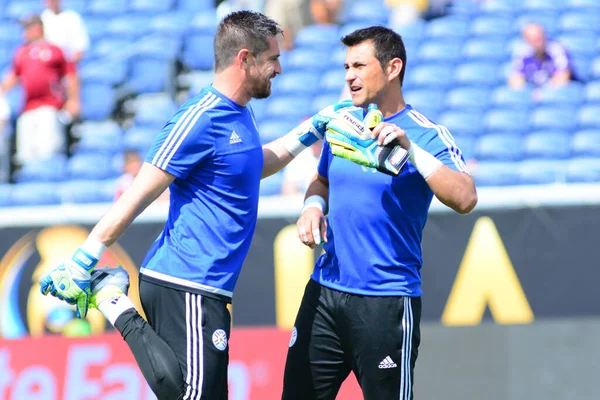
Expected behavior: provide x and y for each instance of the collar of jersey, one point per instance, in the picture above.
(226, 99)
(399, 113)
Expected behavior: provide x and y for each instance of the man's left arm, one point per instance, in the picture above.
(73, 87)
(442, 166)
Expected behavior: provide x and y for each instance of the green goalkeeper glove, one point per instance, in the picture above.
(349, 136)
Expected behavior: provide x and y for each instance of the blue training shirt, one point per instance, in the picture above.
(376, 220)
(212, 147)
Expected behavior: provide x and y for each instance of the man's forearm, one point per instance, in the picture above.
(73, 87)
(276, 156)
(8, 82)
(317, 192)
(454, 189)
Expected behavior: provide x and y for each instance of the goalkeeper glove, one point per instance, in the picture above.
(70, 281)
(313, 129)
(349, 136)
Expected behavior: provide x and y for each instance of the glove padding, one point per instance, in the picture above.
(71, 283)
(350, 137)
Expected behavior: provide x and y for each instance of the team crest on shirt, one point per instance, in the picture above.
(219, 339)
(294, 337)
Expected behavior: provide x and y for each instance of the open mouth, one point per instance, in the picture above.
(355, 89)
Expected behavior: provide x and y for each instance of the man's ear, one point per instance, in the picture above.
(394, 68)
(243, 58)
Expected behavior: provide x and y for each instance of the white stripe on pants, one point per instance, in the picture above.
(407, 331)
(195, 346)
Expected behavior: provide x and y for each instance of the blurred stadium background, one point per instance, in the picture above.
(519, 321)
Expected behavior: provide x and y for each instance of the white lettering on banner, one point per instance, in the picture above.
(35, 382)
(78, 386)
(239, 381)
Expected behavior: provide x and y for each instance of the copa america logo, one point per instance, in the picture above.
(23, 309)
(219, 339)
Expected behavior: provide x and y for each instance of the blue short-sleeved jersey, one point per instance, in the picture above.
(376, 220)
(212, 147)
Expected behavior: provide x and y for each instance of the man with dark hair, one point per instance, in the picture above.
(362, 305)
(210, 157)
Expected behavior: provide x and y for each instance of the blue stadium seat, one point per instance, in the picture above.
(548, 144)
(291, 107)
(204, 22)
(105, 128)
(97, 101)
(171, 23)
(476, 74)
(307, 59)
(463, 8)
(297, 82)
(583, 169)
(139, 138)
(336, 60)
(504, 96)
(548, 20)
(18, 9)
(542, 6)
(10, 32)
(154, 110)
(429, 75)
(150, 75)
(437, 50)
(271, 129)
(586, 143)
(5, 194)
(499, 147)
(159, 46)
(151, 6)
(370, 12)
(500, 7)
(589, 116)
(582, 68)
(317, 36)
(571, 94)
(462, 123)
(196, 5)
(198, 80)
(104, 141)
(541, 172)
(485, 25)
(332, 80)
(323, 100)
(578, 21)
(198, 51)
(96, 27)
(88, 191)
(469, 98)
(595, 73)
(35, 194)
(553, 118)
(110, 45)
(425, 98)
(111, 72)
(412, 31)
(107, 7)
(271, 186)
(53, 169)
(581, 5)
(348, 28)
(488, 49)
(495, 173)
(506, 120)
(128, 26)
(582, 43)
(78, 6)
(92, 166)
(449, 26)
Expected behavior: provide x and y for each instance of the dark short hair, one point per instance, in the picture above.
(242, 30)
(387, 43)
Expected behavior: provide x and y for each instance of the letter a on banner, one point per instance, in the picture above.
(486, 277)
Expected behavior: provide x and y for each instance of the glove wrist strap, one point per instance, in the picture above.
(314, 201)
(300, 138)
(423, 161)
(89, 253)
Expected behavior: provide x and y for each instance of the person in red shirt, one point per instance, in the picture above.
(51, 91)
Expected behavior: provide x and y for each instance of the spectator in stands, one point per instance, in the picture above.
(540, 61)
(294, 15)
(298, 174)
(66, 29)
(51, 89)
(131, 166)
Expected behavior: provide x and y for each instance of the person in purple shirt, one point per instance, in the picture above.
(540, 61)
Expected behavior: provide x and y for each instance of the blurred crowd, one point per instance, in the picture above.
(45, 65)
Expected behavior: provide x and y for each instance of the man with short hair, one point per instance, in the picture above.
(41, 68)
(362, 306)
(210, 157)
(540, 61)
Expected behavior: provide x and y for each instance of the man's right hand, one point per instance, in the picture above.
(312, 227)
(71, 281)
